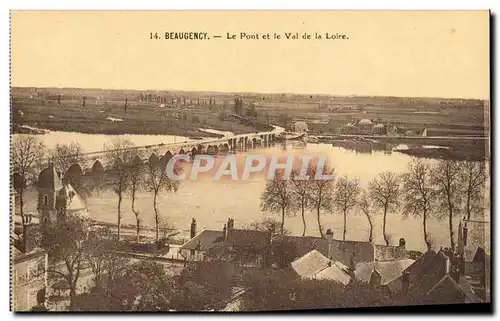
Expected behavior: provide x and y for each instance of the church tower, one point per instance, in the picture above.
(49, 203)
(57, 198)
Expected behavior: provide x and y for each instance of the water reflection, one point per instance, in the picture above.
(210, 203)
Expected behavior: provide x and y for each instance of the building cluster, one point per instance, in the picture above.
(444, 276)
(31, 267)
(369, 127)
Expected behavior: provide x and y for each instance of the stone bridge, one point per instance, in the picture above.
(100, 161)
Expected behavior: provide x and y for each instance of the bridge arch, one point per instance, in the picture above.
(153, 160)
(136, 160)
(74, 174)
(97, 167)
(182, 152)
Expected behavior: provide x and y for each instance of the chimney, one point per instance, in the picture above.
(193, 228)
(464, 233)
(402, 242)
(352, 265)
(224, 233)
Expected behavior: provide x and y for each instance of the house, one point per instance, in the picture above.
(347, 251)
(29, 269)
(473, 248)
(365, 127)
(198, 246)
(247, 247)
(379, 129)
(316, 266)
(300, 127)
(435, 278)
(386, 274)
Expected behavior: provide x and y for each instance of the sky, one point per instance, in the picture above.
(388, 53)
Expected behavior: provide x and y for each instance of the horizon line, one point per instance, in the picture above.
(256, 92)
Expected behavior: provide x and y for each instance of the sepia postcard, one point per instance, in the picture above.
(241, 161)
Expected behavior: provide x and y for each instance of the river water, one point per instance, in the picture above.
(212, 202)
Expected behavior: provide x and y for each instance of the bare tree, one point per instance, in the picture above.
(473, 178)
(119, 153)
(27, 152)
(365, 206)
(384, 191)
(278, 198)
(345, 197)
(65, 155)
(136, 176)
(321, 196)
(300, 190)
(65, 243)
(418, 193)
(446, 178)
(157, 181)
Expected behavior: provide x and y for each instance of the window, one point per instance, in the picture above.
(45, 200)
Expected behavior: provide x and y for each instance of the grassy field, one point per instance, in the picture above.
(324, 114)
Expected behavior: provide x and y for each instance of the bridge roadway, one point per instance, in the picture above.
(101, 160)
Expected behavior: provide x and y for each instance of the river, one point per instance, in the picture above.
(211, 202)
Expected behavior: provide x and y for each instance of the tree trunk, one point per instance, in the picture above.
(72, 297)
(383, 229)
(468, 204)
(370, 238)
(426, 238)
(136, 213)
(450, 225)
(303, 219)
(119, 214)
(319, 221)
(345, 224)
(282, 220)
(21, 211)
(138, 229)
(156, 218)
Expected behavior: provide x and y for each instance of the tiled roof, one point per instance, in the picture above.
(342, 251)
(206, 239)
(310, 264)
(336, 272)
(49, 178)
(426, 272)
(446, 290)
(316, 266)
(256, 240)
(74, 201)
(388, 271)
(305, 244)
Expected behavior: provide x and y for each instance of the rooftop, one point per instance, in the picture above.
(203, 241)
